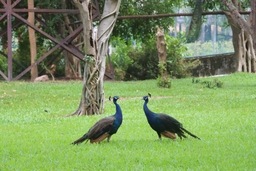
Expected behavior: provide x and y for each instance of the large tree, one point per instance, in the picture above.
(96, 49)
(244, 34)
(243, 28)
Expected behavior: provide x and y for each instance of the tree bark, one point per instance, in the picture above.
(32, 41)
(92, 100)
(163, 79)
(162, 54)
(253, 21)
(196, 23)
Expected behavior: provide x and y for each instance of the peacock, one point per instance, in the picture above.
(164, 124)
(104, 128)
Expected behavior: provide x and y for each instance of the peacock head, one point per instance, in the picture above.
(115, 98)
(146, 97)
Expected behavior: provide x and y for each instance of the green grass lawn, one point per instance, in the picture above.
(36, 135)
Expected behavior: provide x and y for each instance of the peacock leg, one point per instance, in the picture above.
(109, 138)
(159, 136)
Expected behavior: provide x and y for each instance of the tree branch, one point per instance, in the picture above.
(237, 17)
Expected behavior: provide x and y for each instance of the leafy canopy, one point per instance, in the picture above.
(143, 28)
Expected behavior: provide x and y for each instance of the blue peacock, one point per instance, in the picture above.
(163, 124)
(104, 128)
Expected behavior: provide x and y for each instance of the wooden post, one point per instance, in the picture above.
(9, 39)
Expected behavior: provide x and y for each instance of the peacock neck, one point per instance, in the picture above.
(118, 114)
(148, 112)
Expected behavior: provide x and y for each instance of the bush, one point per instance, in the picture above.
(216, 83)
(164, 81)
(120, 57)
(144, 63)
(176, 65)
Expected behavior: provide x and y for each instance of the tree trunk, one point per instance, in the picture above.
(243, 38)
(163, 79)
(196, 23)
(162, 54)
(253, 21)
(92, 100)
(32, 40)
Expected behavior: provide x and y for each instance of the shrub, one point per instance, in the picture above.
(216, 83)
(176, 65)
(164, 81)
(120, 57)
(144, 63)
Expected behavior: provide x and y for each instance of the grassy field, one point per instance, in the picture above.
(36, 135)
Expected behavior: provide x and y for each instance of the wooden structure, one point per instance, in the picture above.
(65, 43)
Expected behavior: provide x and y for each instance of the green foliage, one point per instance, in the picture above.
(140, 62)
(120, 56)
(3, 64)
(162, 67)
(218, 5)
(164, 81)
(22, 54)
(176, 50)
(184, 68)
(133, 61)
(216, 83)
(141, 28)
(36, 135)
(89, 59)
(144, 62)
